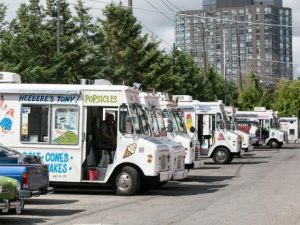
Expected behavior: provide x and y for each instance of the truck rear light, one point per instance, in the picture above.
(25, 180)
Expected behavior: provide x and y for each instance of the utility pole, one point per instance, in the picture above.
(58, 26)
(204, 50)
(239, 55)
(224, 66)
(130, 5)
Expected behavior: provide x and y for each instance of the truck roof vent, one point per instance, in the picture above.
(259, 109)
(183, 98)
(102, 82)
(9, 77)
(163, 96)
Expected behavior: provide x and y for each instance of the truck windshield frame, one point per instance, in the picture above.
(139, 119)
(177, 121)
(157, 122)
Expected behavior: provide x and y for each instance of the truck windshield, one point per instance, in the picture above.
(139, 119)
(274, 123)
(157, 122)
(177, 121)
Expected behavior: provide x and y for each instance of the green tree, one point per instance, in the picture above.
(287, 98)
(255, 95)
(129, 54)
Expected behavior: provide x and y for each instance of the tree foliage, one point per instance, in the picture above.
(287, 98)
(255, 95)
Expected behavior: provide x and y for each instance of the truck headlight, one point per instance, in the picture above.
(18, 187)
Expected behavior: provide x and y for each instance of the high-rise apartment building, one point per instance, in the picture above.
(238, 37)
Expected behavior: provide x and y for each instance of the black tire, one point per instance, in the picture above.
(221, 156)
(127, 181)
(274, 144)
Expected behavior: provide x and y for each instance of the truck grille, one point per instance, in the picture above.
(163, 162)
(179, 163)
(198, 153)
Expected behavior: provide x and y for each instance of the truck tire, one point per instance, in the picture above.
(274, 144)
(127, 181)
(221, 156)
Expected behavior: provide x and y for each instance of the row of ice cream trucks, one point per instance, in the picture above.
(157, 139)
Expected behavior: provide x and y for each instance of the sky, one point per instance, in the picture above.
(157, 18)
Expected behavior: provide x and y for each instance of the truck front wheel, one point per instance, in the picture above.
(274, 144)
(221, 156)
(127, 181)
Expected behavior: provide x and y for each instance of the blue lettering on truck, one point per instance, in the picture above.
(57, 162)
(49, 98)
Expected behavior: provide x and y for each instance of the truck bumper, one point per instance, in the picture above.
(165, 176)
(180, 175)
(6, 205)
(35, 193)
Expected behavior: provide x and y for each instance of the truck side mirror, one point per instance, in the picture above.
(192, 129)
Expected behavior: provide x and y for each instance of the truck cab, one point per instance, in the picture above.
(268, 131)
(291, 126)
(231, 115)
(177, 131)
(210, 121)
(155, 116)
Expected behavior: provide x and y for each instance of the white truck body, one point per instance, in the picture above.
(210, 120)
(291, 126)
(155, 116)
(231, 115)
(178, 132)
(57, 122)
(269, 133)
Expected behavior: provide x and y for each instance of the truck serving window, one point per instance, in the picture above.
(50, 124)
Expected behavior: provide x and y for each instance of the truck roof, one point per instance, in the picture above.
(58, 88)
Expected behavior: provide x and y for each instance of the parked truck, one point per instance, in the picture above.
(291, 126)
(60, 123)
(267, 131)
(177, 131)
(177, 152)
(29, 171)
(231, 115)
(209, 119)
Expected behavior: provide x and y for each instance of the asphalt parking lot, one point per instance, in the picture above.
(261, 187)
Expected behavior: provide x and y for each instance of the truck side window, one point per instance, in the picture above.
(125, 125)
(65, 128)
(34, 123)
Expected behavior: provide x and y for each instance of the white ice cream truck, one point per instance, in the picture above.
(291, 126)
(61, 122)
(269, 132)
(155, 116)
(177, 131)
(231, 115)
(209, 119)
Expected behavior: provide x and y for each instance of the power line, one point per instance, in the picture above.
(159, 11)
(167, 6)
(201, 17)
(291, 63)
(173, 5)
